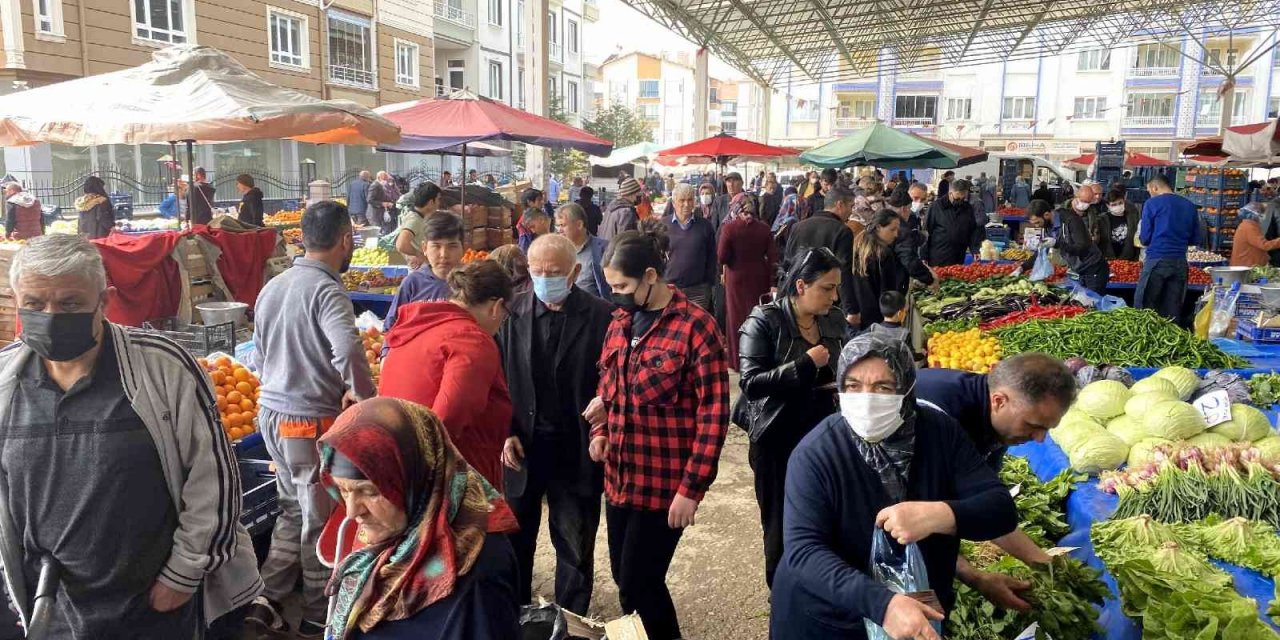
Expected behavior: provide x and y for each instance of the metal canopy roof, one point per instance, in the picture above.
(776, 41)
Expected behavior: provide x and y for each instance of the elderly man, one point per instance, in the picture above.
(313, 367)
(1170, 224)
(24, 218)
(907, 245)
(382, 196)
(550, 346)
(1077, 239)
(691, 259)
(951, 228)
(358, 197)
(115, 464)
(827, 229)
(571, 222)
(881, 463)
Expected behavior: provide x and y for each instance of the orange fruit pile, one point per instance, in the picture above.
(471, 255)
(372, 338)
(236, 389)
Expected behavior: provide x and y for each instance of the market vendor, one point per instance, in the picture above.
(442, 247)
(1019, 401)
(852, 475)
(1169, 225)
(415, 206)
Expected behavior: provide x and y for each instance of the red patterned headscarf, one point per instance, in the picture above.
(405, 451)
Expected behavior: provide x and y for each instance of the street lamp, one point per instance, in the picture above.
(308, 170)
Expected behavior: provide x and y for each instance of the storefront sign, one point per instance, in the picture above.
(1042, 148)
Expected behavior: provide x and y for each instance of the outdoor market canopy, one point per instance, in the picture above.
(883, 146)
(464, 118)
(723, 148)
(1246, 144)
(1130, 160)
(639, 152)
(185, 93)
(777, 42)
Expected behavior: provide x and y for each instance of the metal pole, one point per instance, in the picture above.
(191, 181)
(462, 199)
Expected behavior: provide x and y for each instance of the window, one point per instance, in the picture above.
(457, 74)
(1157, 57)
(858, 108)
(1273, 108)
(1019, 109)
(48, 16)
(1150, 105)
(571, 31)
(1092, 108)
(806, 111)
(159, 20)
(959, 108)
(1213, 57)
(1093, 60)
(1211, 107)
(406, 63)
(551, 27)
(520, 87)
(730, 127)
(286, 36)
(495, 80)
(351, 50)
(648, 88)
(571, 96)
(715, 95)
(729, 109)
(495, 12)
(916, 108)
(553, 87)
(649, 112)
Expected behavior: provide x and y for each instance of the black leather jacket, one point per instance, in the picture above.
(778, 377)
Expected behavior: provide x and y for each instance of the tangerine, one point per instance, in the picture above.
(223, 362)
(235, 420)
(222, 402)
(234, 397)
(235, 434)
(241, 374)
(246, 405)
(244, 388)
(218, 378)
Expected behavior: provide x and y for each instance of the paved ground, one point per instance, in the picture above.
(717, 576)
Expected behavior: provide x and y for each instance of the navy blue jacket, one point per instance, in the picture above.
(967, 399)
(823, 588)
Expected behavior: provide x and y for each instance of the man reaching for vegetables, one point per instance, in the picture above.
(1019, 401)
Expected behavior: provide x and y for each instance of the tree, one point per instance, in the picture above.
(619, 124)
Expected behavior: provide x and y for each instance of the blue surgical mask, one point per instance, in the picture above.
(551, 289)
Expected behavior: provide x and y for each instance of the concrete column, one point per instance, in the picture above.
(701, 95)
(1187, 103)
(535, 77)
(766, 107)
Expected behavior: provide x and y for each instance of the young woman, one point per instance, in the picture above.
(443, 356)
(875, 266)
(659, 421)
(787, 356)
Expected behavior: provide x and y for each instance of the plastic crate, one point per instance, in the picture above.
(261, 500)
(1217, 181)
(1247, 330)
(199, 340)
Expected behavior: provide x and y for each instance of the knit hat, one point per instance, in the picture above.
(629, 188)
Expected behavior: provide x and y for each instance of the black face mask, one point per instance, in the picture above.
(627, 301)
(59, 337)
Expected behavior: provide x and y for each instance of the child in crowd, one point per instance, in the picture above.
(893, 306)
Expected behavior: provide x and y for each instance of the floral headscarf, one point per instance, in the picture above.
(891, 457)
(405, 451)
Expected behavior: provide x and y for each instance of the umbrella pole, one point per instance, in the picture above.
(191, 179)
(462, 199)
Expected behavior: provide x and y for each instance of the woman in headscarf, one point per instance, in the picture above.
(788, 215)
(749, 257)
(851, 476)
(1250, 248)
(430, 557)
(97, 216)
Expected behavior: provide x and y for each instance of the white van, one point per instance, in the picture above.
(1036, 168)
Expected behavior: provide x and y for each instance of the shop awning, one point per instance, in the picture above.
(640, 152)
(186, 92)
(724, 148)
(1256, 144)
(1132, 160)
(883, 146)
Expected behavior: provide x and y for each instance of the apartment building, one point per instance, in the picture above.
(661, 88)
(1150, 95)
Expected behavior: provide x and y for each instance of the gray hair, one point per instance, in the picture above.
(556, 243)
(1034, 378)
(682, 190)
(58, 255)
(573, 211)
(16, 186)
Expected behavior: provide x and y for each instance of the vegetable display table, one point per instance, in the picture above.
(1088, 504)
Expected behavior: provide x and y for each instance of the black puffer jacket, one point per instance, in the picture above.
(778, 377)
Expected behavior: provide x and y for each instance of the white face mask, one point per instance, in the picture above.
(1081, 206)
(705, 199)
(873, 416)
(916, 207)
(1116, 208)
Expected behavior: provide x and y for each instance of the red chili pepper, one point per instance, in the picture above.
(1050, 312)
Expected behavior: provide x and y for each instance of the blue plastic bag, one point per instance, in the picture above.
(1042, 269)
(899, 568)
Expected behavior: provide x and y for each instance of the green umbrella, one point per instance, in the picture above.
(882, 146)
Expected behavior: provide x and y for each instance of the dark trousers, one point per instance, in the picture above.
(769, 463)
(1096, 277)
(573, 519)
(640, 549)
(1162, 287)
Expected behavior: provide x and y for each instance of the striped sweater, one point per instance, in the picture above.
(174, 398)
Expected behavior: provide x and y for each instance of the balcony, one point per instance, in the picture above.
(915, 123)
(556, 51)
(1147, 121)
(456, 15)
(591, 11)
(1153, 72)
(443, 91)
(1215, 119)
(851, 123)
(351, 76)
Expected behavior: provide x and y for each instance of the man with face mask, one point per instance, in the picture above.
(951, 228)
(550, 345)
(1019, 401)
(907, 246)
(115, 465)
(853, 474)
(313, 367)
(1076, 240)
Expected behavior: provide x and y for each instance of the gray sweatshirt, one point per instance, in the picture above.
(308, 346)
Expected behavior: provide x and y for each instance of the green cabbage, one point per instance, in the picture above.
(1183, 378)
(1269, 447)
(1103, 399)
(1246, 424)
(1100, 452)
(1141, 452)
(1154, 383)
(1173, 420)
(1209, 440)
(1138, 406)
(1076, 427)
(1127, 429)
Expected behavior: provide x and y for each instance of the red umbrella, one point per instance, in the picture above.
(1244, 133)
(722, 148)
(1130, 160)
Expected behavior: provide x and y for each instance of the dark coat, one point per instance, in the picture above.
(778, 375)
(202, 197)
(824, 230)
(1105, 220)
(594, 216)
(1075, 241)
(907, 247)
(952, 232)
(251, 207)
(97, 217)
(770, 203)
(619, 216)
(587, 320)
(883, 274)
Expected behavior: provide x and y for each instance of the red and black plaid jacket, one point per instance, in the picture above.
(667, 396)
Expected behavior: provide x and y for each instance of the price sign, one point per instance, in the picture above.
(371, 243)
(1215, 407)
